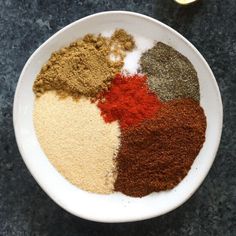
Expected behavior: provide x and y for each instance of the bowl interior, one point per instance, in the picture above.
(115, 207)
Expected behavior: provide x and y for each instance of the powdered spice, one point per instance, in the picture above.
(77, 141)
(158, 154)
(170, 74)
(126, 41)
(128, 100)
(85, 67)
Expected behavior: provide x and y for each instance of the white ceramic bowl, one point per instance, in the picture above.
(115, 207)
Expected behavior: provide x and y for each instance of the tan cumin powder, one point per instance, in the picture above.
(85, 67)
(123, 39)
(77, 141)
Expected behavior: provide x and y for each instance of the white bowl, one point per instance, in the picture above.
(115, 207)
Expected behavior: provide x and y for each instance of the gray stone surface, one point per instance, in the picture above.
(25, 209)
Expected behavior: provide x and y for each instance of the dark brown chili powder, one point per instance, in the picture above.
(170, 74)
(158, 154)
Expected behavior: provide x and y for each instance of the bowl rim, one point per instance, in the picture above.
(138, 217)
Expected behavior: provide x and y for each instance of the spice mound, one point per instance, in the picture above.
(107, 129)
(170, 74)
(77, 141)
(85, 67)
(158, 154)
(128, 100)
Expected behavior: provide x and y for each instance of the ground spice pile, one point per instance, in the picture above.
(128, 100)
(158, 154)
(85, 67)
(77, 141)
(170, 74)
(123, 40)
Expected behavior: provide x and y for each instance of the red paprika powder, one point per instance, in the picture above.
(129, 100)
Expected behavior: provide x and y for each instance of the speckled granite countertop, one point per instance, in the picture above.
(25, 209)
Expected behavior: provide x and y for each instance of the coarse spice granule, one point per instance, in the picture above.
(85, 67)
(76, 140)
(170, 74)
(158, 154)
